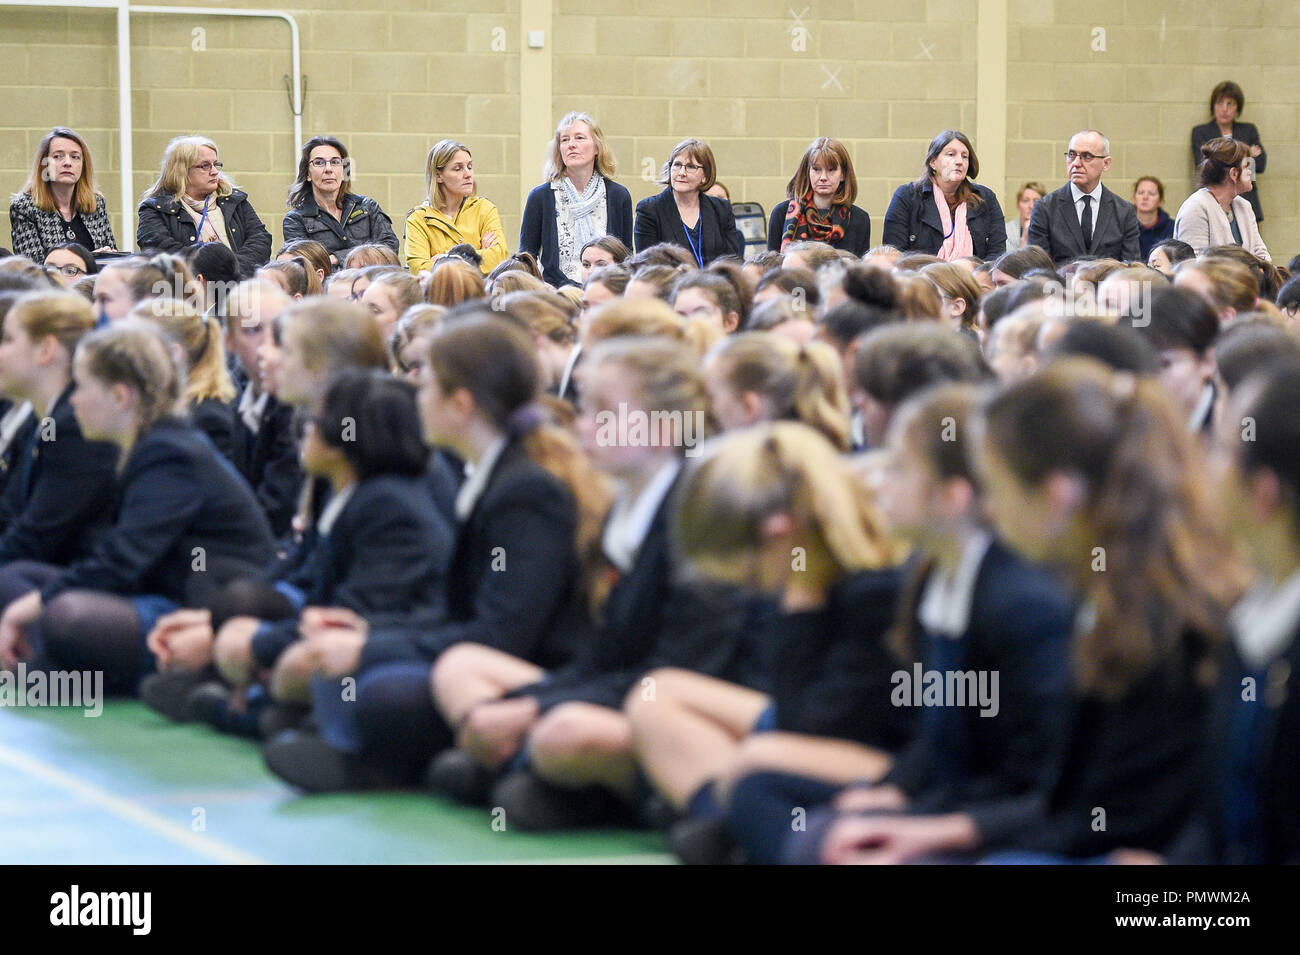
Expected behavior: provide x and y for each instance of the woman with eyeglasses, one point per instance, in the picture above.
(59, 203)
(72, 260)
(192, 200)
(683, 214)
(1218, 213)
(322, 206)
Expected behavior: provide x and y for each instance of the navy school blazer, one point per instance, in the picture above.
(513, 583)
(657, 220)
(649, 621)
(185, 524)
(268, 460)
(385, 557)
(62, 491)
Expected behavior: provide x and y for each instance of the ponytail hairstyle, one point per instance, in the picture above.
(493, 358)
(372, 418)
(315, 259)
(798, 382)
(783, 467)
(66, 316)
(133, 353)
(1170, 573)
(200, 339)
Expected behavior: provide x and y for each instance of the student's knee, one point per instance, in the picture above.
(574, 732)
(291, 679)
(655, 686)
(453, 665)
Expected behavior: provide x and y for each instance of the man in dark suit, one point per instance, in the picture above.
(1083, 217)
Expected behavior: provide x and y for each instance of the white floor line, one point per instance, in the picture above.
(132, 812)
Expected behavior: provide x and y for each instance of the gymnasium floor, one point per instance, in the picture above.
(130, 787)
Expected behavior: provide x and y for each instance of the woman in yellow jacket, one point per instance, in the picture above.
(452, 214)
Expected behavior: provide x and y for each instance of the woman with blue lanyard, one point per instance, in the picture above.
(192, 200)
(682, 214)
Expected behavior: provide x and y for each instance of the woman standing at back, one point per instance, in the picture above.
(578, 202)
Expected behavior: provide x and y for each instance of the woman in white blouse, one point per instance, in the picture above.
(1218, 213)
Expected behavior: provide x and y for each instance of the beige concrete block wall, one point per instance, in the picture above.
(391, 77)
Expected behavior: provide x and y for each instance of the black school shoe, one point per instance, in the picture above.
(533, 805)
(263, 719)
(453, 774)
(704, 842)
(166, 693)
(307, 761)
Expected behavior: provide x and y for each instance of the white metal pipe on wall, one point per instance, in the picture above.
(126, 157)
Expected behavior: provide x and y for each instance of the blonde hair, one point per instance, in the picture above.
(199, 337)
(443, 152)
(918, 298)
(799, 382)
(554, 168)
(333, 334)
(38, 187)
(133, 353)
(452, 283)
(1232, 284)
(66, 316)
(173, 175)
(666, 373)
(643, 317)
(778, 467)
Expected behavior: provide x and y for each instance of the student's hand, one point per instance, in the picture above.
(336, 651)
(870, 799)
(182, 640)
(317, 620)
(489, 240)
(233, 651)
(109, 248)
(1256, 150)
(892, 840)
(18, 616)
(493, 732)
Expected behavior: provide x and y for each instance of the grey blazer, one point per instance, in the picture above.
(1054, 227)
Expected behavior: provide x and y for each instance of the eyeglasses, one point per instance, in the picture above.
(1086, 157)
(209, 166)
(71, 271)
(685, 167)
(322, 163)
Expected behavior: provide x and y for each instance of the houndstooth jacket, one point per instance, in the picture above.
(36, 232)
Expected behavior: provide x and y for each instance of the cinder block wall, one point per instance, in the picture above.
(391, 77)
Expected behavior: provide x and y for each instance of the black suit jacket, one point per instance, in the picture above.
(648, 621)
(657, 220)
(61, 494)
(387, 554)
(912, 222)
(268, 460)
(186, 524)
(1242, 132)
(513, 583)
(1054, 227)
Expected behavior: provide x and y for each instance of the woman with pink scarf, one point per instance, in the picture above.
(946, 213)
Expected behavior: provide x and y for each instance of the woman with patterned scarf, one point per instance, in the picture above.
(578, 202)
(820, 205)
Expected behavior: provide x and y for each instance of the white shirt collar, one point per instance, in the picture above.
(476, 479)
(1265, 620)
(1201, 413)
(12, 421)
(947, 598)
(251, 409)
(1078, 195)
(630, 519)
(332, 509)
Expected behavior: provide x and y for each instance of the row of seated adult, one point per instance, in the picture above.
(944, 212)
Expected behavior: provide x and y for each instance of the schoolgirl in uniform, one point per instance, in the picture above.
(971, 605)
(62, 491)
(185, 525)
(1093, 471)
(566, 726)
(528, 514)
